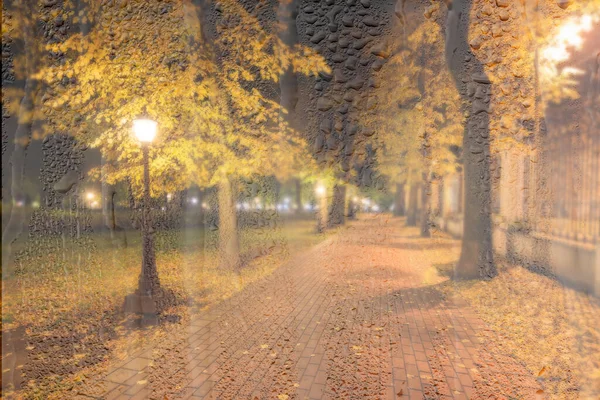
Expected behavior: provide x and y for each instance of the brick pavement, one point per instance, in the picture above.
(360, 316)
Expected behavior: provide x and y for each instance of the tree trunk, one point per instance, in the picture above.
(476, 258)
(411, 215)
(338, 213)
(22, 139)
(425, 205)
(399, 206)
(298, 184)
(108, 205)
(351, 209)
(229, 246)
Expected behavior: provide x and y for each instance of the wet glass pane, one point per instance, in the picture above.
(300, 199)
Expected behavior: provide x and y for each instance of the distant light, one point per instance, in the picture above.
(94, 204)
(286, 200)
(246, 206)
(169, 196)
(35, 204)
(205, 206)
(355, 199)
(90, 195)
(375, 208)
(145, 130)
(238, 206)
(194, 200)
(307, 207)
(164, 208)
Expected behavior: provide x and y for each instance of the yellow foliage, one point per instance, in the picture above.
(420, 118)
(149, 59)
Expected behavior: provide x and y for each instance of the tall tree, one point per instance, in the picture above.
(492, 52)
(23, 27)
(417, 124)
(153, 59)
(476, 258)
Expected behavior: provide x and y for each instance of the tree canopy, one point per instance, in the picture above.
(206, 97)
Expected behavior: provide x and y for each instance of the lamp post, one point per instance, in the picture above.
(142, 300)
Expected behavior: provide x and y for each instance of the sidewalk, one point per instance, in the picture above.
(360, 316)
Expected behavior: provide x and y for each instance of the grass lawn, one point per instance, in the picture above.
(62, 309)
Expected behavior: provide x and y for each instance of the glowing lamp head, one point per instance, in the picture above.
(145, 130)
(90, 195)
(320, 190)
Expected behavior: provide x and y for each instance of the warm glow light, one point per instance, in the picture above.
(320, 190)
(569, 36)
(90, 195)
(145, 130)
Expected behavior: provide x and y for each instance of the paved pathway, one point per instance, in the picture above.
(360, 316)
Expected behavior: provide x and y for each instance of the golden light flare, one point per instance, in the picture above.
(569, 38)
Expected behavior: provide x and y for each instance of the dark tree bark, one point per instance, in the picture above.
(229, 246)
(352, 208)
(411, 215)
(298, 184)
(476, 258)
(22, 139)
(337, 215)
(399, 200)
(14, 227)
(108, 205)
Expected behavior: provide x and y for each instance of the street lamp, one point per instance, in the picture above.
(320, 190)
(148, 284)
